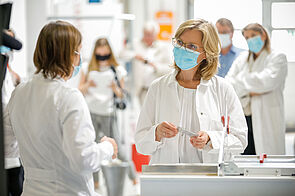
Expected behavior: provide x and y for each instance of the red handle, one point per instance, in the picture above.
(262, 157)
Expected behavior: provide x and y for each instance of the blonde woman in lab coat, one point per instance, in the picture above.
(193, 98)
(51, 123)
(258, 77)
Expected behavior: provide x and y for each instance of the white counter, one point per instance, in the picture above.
(193, 185)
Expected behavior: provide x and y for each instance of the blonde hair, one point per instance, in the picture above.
(260, 29)
(211, 44)
(93, 65)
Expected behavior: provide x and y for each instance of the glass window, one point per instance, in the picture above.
(91, 28)
(239, 40)
(283, 15)
(284, 41)
(240, 13)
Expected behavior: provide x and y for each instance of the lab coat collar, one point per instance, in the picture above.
(261, 56)
(172, 80)
(40, 76)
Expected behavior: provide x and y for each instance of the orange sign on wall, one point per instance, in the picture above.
(165, 21)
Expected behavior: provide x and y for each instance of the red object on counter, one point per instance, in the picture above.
(262, 157)
(139, 159)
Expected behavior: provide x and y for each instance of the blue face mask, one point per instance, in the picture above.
(77, 68)
(255, 44)
(185, 59)
(4, 50)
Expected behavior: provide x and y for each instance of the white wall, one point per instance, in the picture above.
(36, 19)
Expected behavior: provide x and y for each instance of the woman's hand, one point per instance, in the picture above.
(201, 140)
(165, 129)
(254, 94)
(113, 142)
(118, 91)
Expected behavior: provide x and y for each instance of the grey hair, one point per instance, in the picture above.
(151, 26)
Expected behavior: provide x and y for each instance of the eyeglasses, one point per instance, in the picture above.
(178, 43)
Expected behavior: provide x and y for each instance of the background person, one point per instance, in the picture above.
(192, 98)
(258, 77)
(99, 85)
(151, 59)
(50, 122)
(228, 51)
(14, 170)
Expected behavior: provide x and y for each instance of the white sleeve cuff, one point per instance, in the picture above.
(107, 150)
(160, 143)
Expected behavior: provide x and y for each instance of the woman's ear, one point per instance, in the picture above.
(201, 57)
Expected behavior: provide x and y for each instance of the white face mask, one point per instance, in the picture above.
(225, 40)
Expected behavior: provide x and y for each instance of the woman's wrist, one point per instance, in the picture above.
(118, 92)
(157, 135)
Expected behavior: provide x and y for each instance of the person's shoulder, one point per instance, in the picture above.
(277, 54)
(242, 55)
(162, 82)
(69, 91)
(237, 50)
(165, 79)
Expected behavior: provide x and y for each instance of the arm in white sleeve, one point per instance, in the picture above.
(145, 138)
(127, 53)
(237, 137)
(11, 146)
(234, 73)
(84, 154)
(266, 80)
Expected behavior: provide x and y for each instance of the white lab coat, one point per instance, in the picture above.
(268, 76)
(212, 98)
(53, 128)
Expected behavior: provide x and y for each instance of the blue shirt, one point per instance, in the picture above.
(227, 60)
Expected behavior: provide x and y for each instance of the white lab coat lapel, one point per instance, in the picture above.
(256, 104)
(258, 64)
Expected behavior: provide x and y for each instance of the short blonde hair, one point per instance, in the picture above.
(211, 44)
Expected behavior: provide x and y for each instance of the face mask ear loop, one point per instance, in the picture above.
(201, 59)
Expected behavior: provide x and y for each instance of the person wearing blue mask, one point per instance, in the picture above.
(258, 77)
(50, 122)
(190, 98)
(228, 51)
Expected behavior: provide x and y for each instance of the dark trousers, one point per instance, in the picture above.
(15, 179)
(250, 150)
